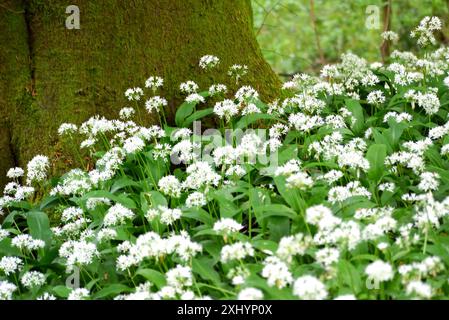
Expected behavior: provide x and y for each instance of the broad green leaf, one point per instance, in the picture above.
(376, 155)
(349, 275)
(61, 291)
(357, 112)
(199, 215)
(39, 226)
(196, 116)
(183, 112)
(253, 117)
(112, 290)
(204, 268)
(153, 276)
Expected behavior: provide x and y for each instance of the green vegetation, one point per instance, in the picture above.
(286, 35)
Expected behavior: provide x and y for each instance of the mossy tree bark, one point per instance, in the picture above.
(50, 74)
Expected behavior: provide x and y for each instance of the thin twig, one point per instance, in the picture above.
(267, 13)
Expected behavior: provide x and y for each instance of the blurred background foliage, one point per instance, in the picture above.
(301, 35)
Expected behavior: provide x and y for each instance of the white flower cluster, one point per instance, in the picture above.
(208, 62)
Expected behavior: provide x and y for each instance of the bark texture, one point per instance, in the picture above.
(50, 74)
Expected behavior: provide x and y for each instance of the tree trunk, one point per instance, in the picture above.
(50, 74)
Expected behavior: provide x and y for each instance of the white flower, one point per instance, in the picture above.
(236, 251)
(291, 167)
(134, 94)
(126, 113)
(376, 97)
(420, 289)
(67, 129)
(217, 89)
(117, 215)
(15, 173)
(169, 216)
(46, 296)
(71, 213)
(188, 87)
(226, 109)
(6, 290)
(327, 256)
(398, 117)
(250, 294)
(10, 265)
(106, 234)
(209, 62)
(78, 294)
(195, 98)
(276, 272)
(445, 149)
(180, 277)
(246, 94)
(237, 71)
(92, 203)
(321, 216)
(390, 35)
(25, 241)
(196, 199)
(170, 186)
(3, 233)
(78, 253)
(227, 226)
(154, 82)
(250, 108)
(32, 279)
(379, 271)
(201, 174)
(446, 81)
(155, 103)
(289, 246)
(37, 169)
(299, 180)
(424, 32)
(428, 181)
(309, 288)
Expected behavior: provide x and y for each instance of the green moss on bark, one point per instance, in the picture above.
(14, 76)
(79, 73)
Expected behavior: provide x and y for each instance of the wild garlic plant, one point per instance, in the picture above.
(353, 205)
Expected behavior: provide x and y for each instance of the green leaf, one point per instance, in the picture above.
(204, 268)
(39, 225)
(49, 202)
(265, 245)
(6, 249)
(253, 117)
(279, 227)
(184, 110)
(349, 275)
(122, 199)
(153, 276)
(376, 156)
(290, 195)
(277, 210)
(228, 208)
(123, 183)
(197, 115)
(357, 112)
(155, 199)
(112, 290)
(199, 215)
(61, 291)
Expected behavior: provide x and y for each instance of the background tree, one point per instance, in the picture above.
(50, 74)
